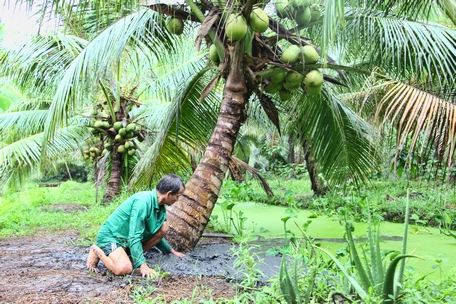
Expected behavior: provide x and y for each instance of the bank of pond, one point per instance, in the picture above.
(263, 222)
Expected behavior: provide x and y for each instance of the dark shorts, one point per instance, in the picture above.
(108, 249)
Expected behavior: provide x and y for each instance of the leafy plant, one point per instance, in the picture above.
(445, 224)
(246, 263)
(289, 281)
(375, 275)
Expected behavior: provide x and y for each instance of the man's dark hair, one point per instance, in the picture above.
(170, 182)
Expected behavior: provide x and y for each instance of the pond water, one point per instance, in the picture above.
(264, 221)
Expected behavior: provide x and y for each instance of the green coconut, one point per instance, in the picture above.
(175, 26)
(118, 138)
(283, 8)
(314, 90)
(303, 17)
(278, 75)
(259, 20)
(291, 86)
(313, 79)
(285, 94)
(236, 27)
(294, 77)
(117, 125)
(129, 144)
(272, 88)
(300, 3)
(121, 149)
(315, 13)
(131, 127)
(309, 54)
(213, 55)
(131, 152)
(105, 125)
(122, 132)
(291, 54)
(98, 124)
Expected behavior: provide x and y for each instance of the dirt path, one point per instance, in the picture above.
(51, 269)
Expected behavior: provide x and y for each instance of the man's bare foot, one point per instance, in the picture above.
(94, 258)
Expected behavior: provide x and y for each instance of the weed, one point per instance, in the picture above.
(246, 264)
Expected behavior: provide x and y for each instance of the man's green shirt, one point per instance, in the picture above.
(132, 223)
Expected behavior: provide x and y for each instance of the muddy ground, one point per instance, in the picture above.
(50, 268)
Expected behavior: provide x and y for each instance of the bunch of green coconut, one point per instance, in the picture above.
(301, 11)
(284, 81)
(91, 153)
(236, 28)
(120, 134)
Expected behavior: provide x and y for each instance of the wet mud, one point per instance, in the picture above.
(51, 269)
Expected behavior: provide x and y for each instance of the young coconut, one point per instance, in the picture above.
(117, 125)
(290, 86)
(291, 54)
(303, 17)
(284, 94)
(236, 27)
(175, 26)
(300, 4)
(278, 76)
(259, 20)
(309, 54)
(272, 88)
(314, 90)
(313, 82)
(283, 8)
(213, 55)
(294, 77)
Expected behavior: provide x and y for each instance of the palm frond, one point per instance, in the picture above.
(423, 9)
(333, 22)
(16, 125)
(419, 117)
(22, 157)
(96, 61)
(399, 46)
(167, 152)
(341, 141)
(38, 65)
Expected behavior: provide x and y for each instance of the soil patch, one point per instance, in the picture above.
(51, 269)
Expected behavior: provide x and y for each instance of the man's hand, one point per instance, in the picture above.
(177, 253)
(147, 272)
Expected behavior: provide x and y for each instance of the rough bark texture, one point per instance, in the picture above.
(318, 186)
(189, 216)
(115, 180)
(236, 173)
(291, 153)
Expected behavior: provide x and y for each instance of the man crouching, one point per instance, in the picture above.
(137, 225)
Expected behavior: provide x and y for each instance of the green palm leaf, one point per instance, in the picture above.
(340, 139)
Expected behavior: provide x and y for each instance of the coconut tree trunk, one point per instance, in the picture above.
(318, 186)
(114, 186)
(291, 153)
(189, 216)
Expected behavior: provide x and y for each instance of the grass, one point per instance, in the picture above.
(37, 209)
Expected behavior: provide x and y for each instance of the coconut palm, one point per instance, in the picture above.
(399, 41)
(123, 100)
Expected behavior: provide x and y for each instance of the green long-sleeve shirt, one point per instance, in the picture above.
(132, 223)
